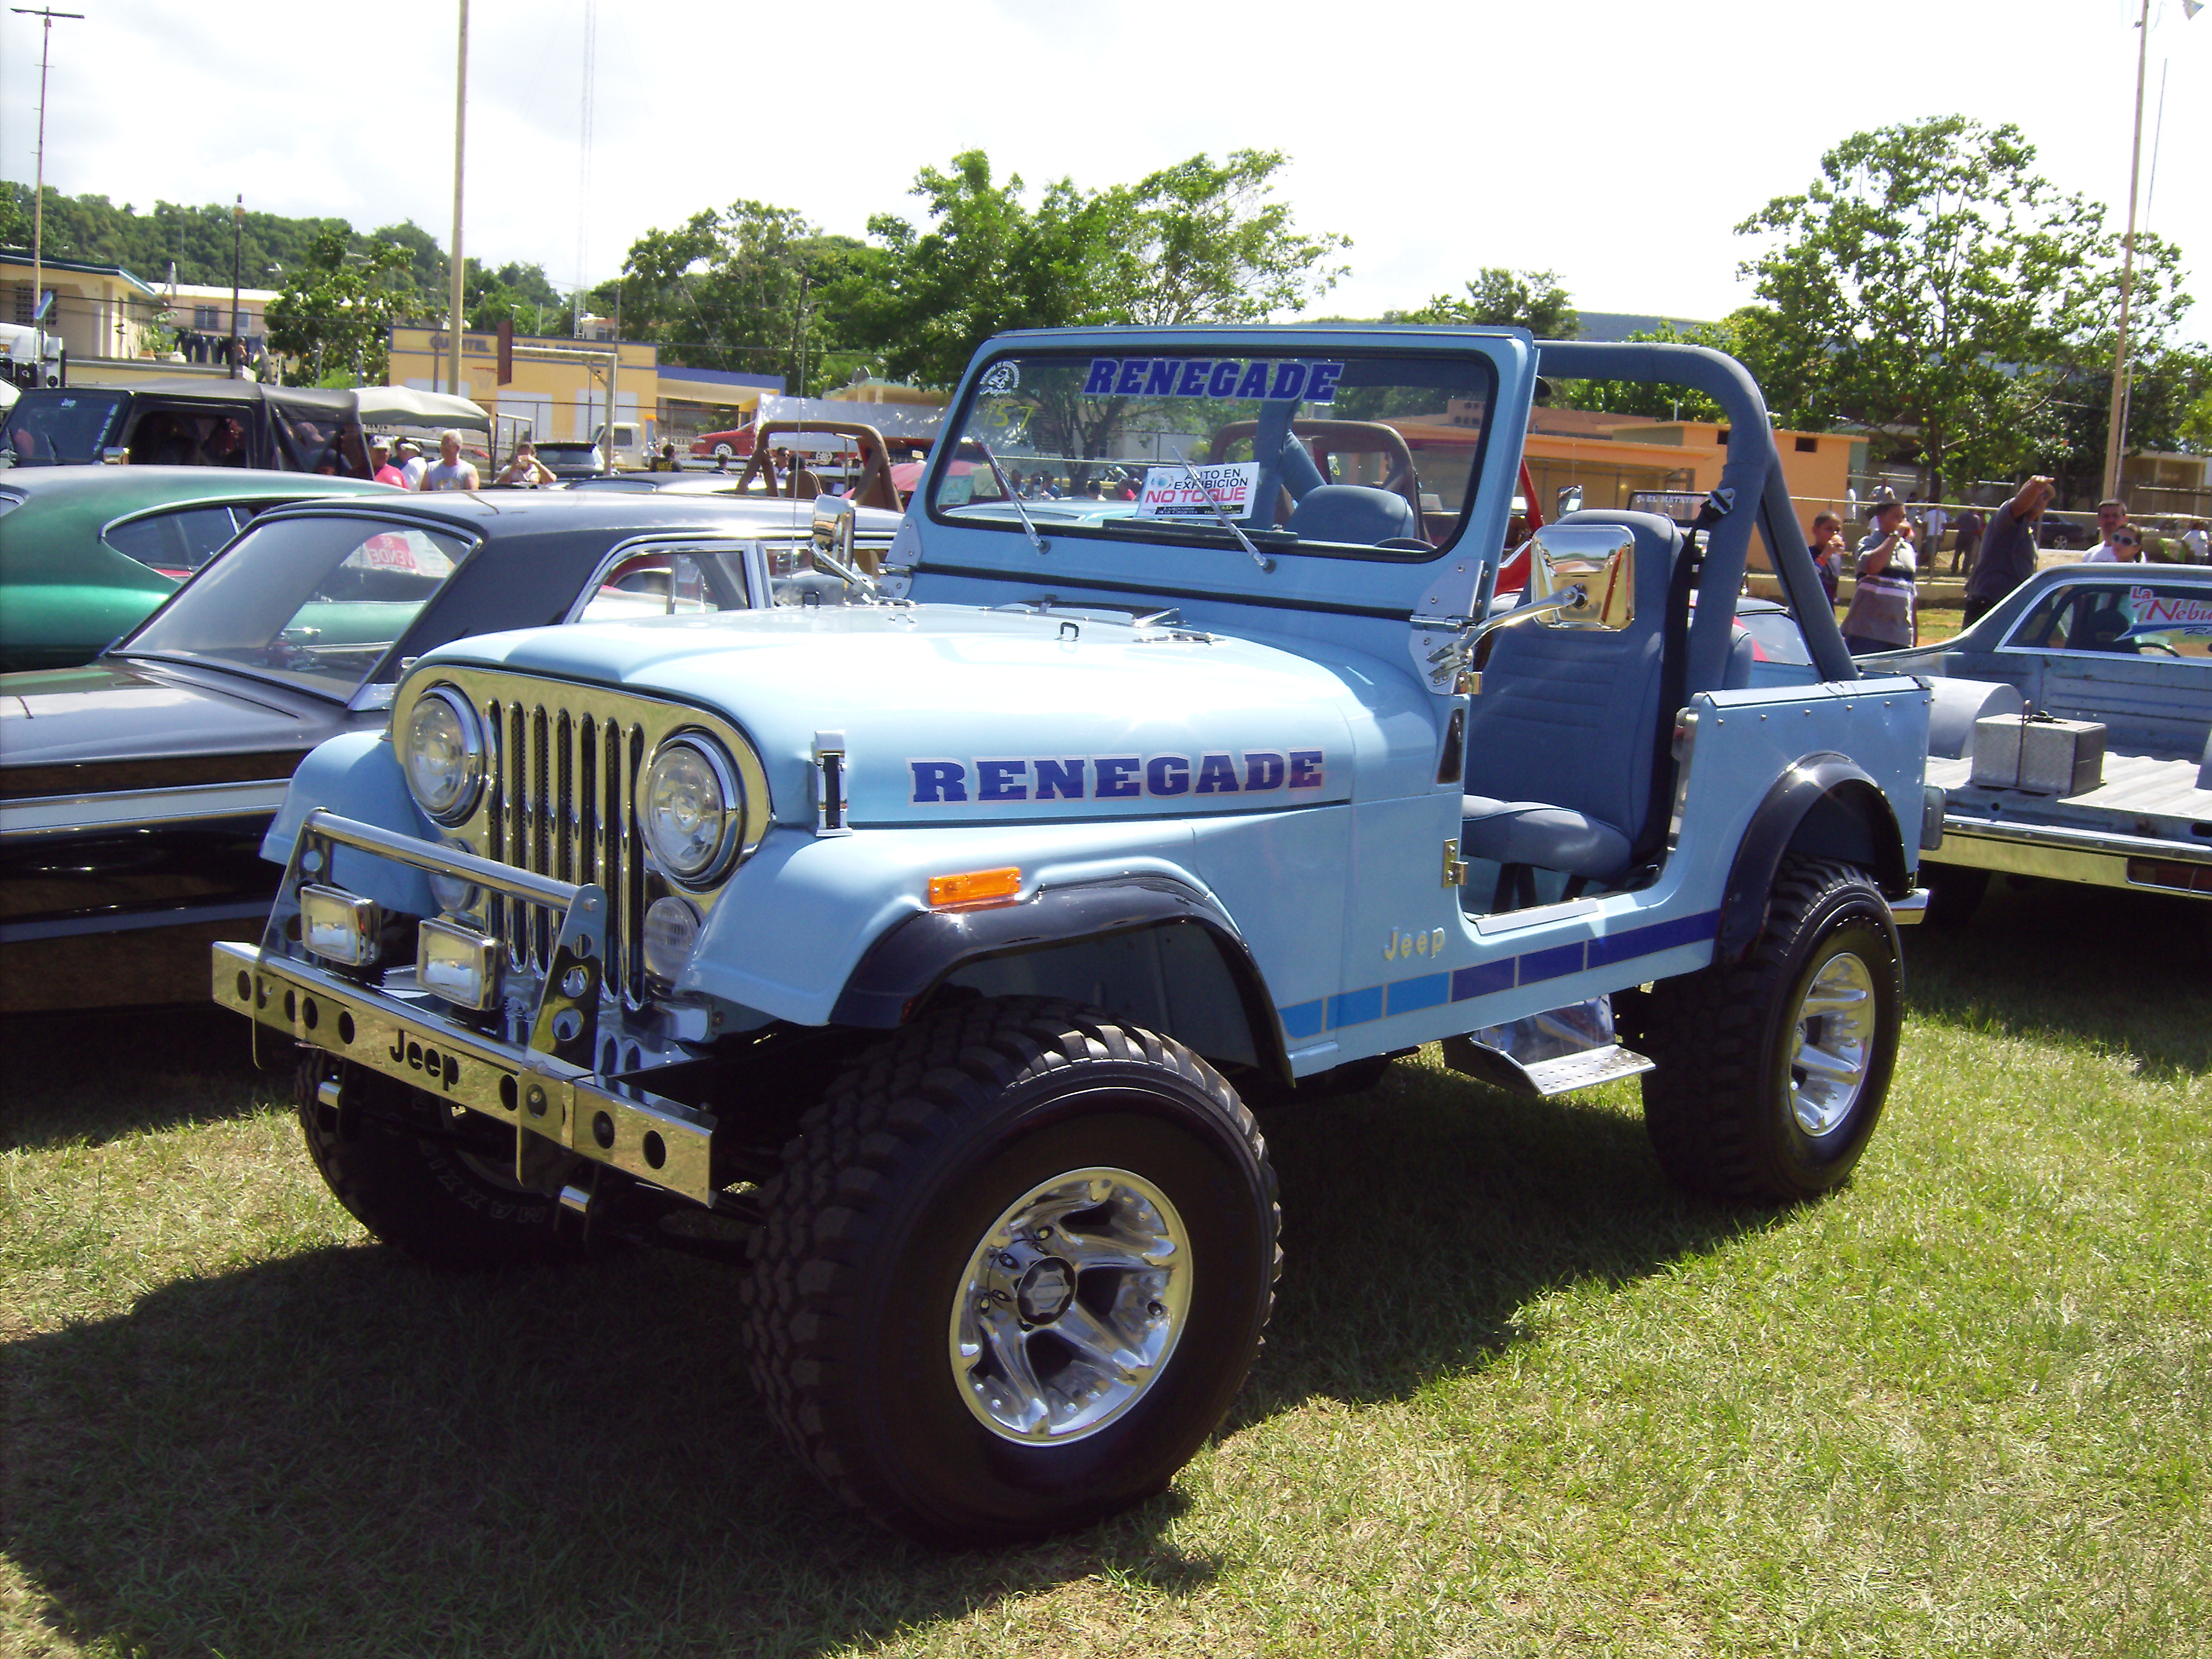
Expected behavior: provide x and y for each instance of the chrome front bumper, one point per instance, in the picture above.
(562, 1111)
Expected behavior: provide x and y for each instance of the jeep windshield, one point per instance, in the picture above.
(314, 602)
(61, 428)
(1351, 453)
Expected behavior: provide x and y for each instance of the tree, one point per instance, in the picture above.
(1498, 298)
(1195, 242)
(739, 289)
(927, 299)
(1930, 286)
(1199, 242)
(336, 308)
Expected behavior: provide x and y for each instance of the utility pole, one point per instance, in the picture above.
(38, 190)
(457, 319)
(614, 369)
(237, 244)
(2116, 435)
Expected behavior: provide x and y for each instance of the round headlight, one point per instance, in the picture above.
(443, 751)
(693, 807)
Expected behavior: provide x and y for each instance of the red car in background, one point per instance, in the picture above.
(735, 445)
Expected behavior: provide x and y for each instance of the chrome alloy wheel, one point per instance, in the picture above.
(1071, 1305)
(1836, 1026)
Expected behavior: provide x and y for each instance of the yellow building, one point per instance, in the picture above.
(559, 385)
(103, 313)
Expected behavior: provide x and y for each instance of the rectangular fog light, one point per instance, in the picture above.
(457, 964)
(337, 926)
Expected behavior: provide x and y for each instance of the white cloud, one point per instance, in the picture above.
(1617, 143)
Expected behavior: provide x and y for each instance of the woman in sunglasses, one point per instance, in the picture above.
(2125, 547)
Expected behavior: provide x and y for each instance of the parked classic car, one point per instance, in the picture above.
(733, 445)
(134, 792)
(86, 552)
(2128, 647)
(927, 955)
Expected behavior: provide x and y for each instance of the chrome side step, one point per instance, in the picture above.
(1553, 1052)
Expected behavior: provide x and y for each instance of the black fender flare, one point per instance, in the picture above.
(895, 975)
(1826, 781)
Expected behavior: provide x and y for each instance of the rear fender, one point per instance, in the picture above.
(1825, 804)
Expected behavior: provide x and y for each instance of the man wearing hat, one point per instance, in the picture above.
(379, 464)
(411, 465)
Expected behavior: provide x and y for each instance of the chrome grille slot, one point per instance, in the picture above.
(560, 806)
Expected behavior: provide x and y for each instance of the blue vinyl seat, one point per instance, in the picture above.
(1356, 513)
(1559, 741)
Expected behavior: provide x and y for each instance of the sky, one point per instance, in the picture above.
(1617, 144)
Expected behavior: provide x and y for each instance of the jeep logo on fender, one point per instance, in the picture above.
(444, 1069)
(1116, 777)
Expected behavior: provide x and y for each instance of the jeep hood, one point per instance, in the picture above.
(952, 714)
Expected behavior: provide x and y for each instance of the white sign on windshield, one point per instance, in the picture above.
(1181, 492)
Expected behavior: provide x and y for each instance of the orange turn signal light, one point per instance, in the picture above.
(975, 887)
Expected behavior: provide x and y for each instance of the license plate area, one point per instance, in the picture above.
(557, 1109)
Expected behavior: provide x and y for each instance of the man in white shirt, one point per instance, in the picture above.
(411, 464)
(2112, 521)
(1933, 521)
(2199, 543)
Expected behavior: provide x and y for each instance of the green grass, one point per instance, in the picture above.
(1518, 1397)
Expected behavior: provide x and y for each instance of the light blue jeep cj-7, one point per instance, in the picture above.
(923, 952)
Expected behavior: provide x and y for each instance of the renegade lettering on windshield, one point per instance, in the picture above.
(1116, 777)
(1270, 381)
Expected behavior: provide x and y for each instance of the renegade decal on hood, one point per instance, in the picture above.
(1116, 777)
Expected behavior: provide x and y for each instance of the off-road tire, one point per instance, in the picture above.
(893, 1180)
(422, 1191)
(1718, 1107)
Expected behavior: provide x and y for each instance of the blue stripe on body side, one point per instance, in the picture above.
(1405, 996)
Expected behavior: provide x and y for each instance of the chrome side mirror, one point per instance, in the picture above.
(833, 518)
(1591, 566)
(833, 527)
(1570, 500)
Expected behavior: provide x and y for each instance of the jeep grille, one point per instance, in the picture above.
(561, 800)
(561, 788)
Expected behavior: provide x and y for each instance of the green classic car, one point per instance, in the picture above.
(86, 552)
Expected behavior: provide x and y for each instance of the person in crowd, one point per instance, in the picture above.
(1826, 548)
(2007, 554)
(664, 461)
(1881, 615)
(524, 470)
(2124, 546)
(2198, 541)
(1933, 523)
(452, 472)
(164, 438)
(1971, 525)
(2112, 519)
(379, 464)
(407, 456)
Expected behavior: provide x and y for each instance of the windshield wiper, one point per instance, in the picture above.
(1228, 524)
(1029, 527)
